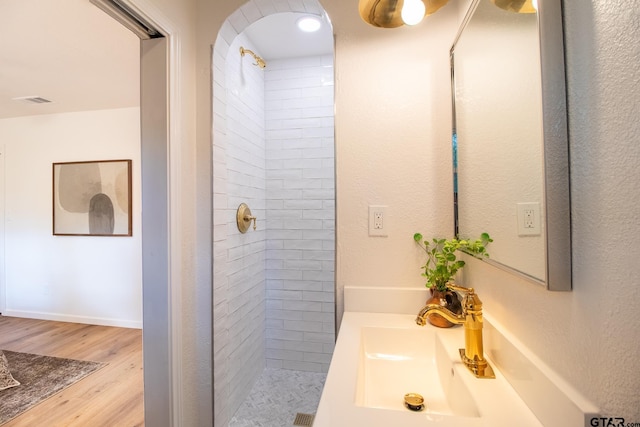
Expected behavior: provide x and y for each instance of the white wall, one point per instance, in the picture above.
(300, 262)
(84, 279)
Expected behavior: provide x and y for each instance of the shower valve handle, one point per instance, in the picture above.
(244, 218)
(249, 218)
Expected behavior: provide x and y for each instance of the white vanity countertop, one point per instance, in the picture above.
(498, 403)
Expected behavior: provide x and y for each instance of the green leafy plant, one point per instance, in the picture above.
(442, 263)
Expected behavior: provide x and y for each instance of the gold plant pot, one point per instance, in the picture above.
(448, 299)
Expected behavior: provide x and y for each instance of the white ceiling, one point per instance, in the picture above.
(277, 36)
(67, 51)
(72, 53)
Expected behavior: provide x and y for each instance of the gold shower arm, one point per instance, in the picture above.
(259, 61)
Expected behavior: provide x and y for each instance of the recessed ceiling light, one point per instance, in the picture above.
(309, 24)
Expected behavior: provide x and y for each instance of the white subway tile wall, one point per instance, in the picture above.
(301, 208)
(239, 259)
(300, 187)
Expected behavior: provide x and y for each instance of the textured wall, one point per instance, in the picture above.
(590, 335)
(301, 209)
(393, 133)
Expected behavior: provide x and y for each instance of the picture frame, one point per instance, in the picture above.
(92, 198)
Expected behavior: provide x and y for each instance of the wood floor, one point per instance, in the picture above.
(110, 397)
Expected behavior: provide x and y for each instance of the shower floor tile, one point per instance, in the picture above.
(277, 397)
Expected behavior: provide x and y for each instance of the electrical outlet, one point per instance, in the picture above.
(529, 221)
(529, 218)
(377, 220)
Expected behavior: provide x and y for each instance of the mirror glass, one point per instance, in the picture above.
(510, 139)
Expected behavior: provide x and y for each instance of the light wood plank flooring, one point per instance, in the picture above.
(110, 397)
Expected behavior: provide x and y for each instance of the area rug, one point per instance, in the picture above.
(40, 378)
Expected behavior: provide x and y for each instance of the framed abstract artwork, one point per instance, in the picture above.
(92, 198)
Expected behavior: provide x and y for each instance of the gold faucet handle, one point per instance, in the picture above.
(460, 288)
(471, 301)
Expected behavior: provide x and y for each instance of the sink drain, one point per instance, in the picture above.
(414, 402)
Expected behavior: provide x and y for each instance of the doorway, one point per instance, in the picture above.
(156, 168)
(71, 99)
(160, 264)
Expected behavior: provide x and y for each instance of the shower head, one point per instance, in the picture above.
(259, 61)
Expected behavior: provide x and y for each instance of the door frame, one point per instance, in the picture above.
(162, 302)
(3, 291)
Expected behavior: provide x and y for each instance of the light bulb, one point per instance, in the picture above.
(412, 11)
(534, 3)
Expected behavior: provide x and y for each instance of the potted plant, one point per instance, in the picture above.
(442, 265)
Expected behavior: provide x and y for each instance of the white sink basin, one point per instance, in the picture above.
(397, 361)
(380, 357)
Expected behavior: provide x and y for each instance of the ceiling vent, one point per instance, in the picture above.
(33, 100)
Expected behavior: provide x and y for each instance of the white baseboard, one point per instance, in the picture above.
(121, 323)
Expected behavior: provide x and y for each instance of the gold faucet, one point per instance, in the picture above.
(472, 354)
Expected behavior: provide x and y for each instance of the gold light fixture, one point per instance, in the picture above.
(388, 13)
(518, 6)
